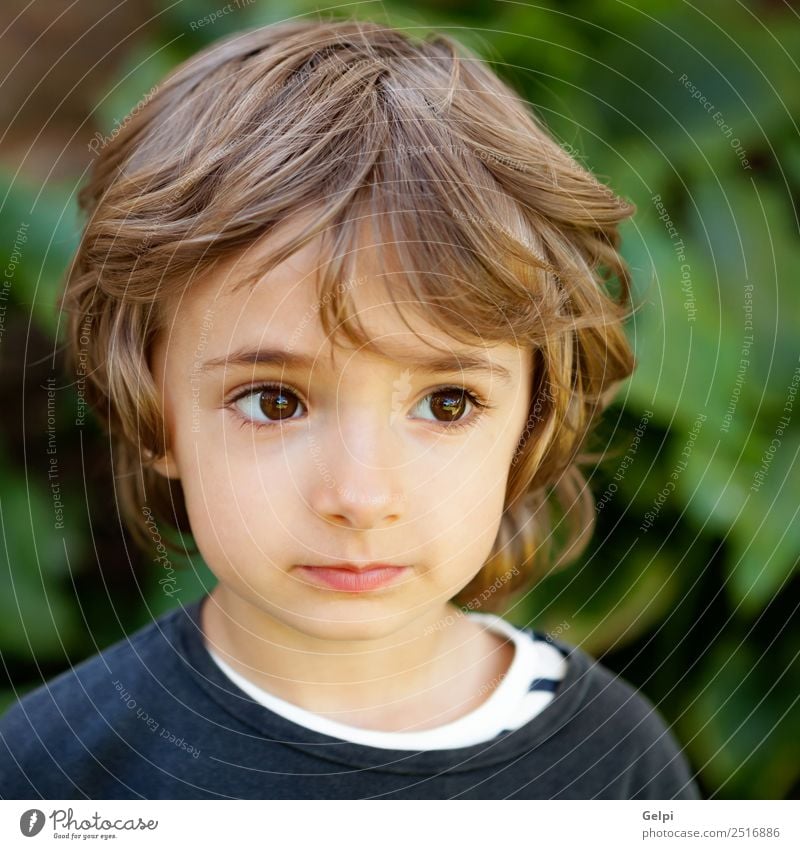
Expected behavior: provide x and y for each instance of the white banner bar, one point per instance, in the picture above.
(392, 824)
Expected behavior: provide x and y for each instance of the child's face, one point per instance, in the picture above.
(355, 463)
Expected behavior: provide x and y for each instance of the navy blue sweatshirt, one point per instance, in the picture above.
(153, 717)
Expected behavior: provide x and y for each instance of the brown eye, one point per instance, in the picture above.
(268, 404)
(450, 404)
(277, 403)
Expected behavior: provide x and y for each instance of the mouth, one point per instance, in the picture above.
(348, 577)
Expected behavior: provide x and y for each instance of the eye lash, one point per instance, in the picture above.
(474, 398)
(260, 387)
(480, 404)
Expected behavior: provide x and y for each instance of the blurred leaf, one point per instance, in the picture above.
(736, 718)
(605, 608)
(51, 234)
(36, 620)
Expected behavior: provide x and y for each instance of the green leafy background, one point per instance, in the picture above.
(699, 610)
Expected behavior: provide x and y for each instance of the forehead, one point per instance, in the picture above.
(281, 310)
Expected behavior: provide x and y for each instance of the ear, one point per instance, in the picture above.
(165, 465)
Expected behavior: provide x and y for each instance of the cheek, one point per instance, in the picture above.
(479, 495)
(218, 525)
(462, 513)
(241, 497)
(216, 491)
(474, 475)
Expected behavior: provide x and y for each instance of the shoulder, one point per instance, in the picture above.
(619, 727)
(75, 713)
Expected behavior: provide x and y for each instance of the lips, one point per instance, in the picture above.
(349, 577)
(353, 567)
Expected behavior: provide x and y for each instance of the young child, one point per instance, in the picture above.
(346, 311)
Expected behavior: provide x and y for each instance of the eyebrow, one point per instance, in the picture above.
(295, 361)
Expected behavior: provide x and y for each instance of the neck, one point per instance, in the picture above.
(423, 675)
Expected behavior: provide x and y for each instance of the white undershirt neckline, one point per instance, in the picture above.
(515, 700)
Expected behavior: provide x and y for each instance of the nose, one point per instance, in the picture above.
(357, 481)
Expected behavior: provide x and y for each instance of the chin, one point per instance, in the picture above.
(352, 622)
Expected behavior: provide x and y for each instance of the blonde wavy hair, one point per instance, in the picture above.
(502, 237)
